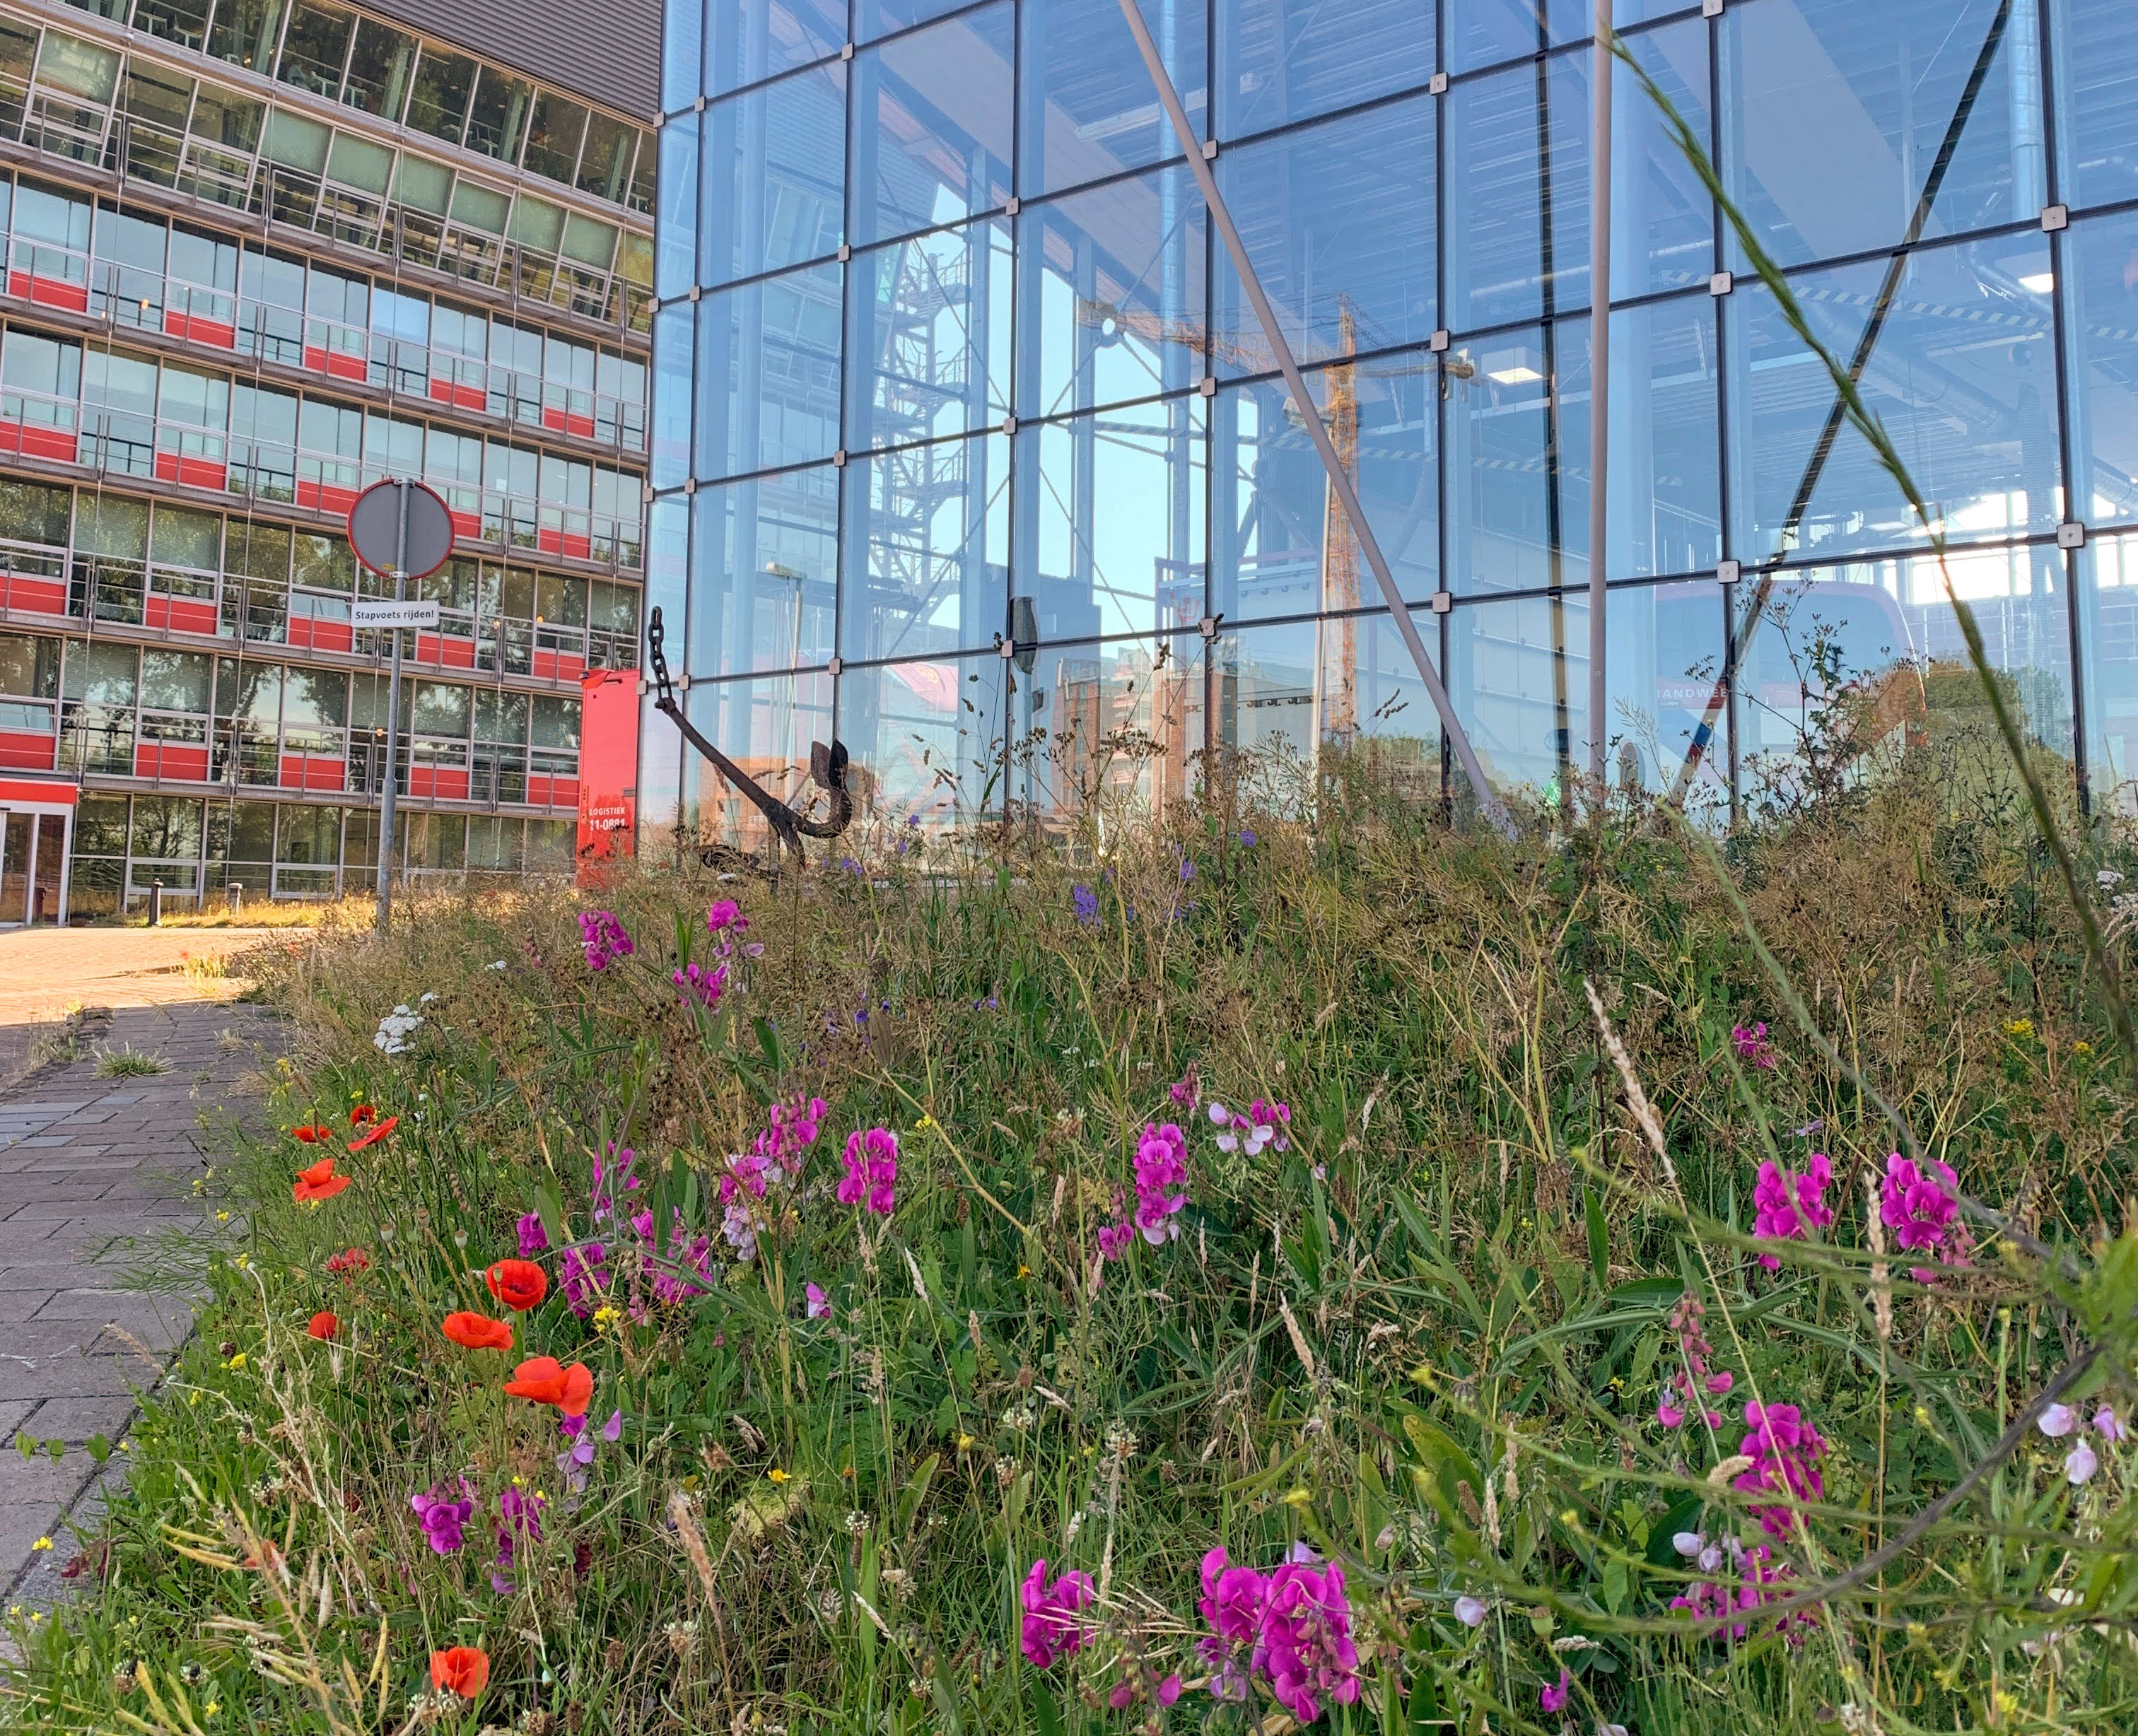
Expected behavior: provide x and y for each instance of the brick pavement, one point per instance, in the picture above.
(91, 1170)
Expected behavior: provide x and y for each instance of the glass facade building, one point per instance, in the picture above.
(942, 331)
(259, 254)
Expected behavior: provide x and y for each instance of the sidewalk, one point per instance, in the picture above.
(91, 1169)
(44, 972)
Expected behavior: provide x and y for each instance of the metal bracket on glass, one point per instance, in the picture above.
(1438, 87)
(827, 766)
(1208, 627)
(2071, 534)
(2055, 218)
(1339, 479)
(1728, 573)
(1721, 284)
(1710, 8)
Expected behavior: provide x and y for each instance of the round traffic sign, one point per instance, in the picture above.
(402, 524)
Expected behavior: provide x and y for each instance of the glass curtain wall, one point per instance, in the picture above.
(947, 344)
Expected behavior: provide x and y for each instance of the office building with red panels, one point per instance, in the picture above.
(261, 254)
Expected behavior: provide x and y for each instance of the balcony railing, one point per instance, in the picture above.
(98, 739)
(133, 297)
(41, 581)
(105, 442)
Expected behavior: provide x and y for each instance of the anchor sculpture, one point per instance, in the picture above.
(828, 768)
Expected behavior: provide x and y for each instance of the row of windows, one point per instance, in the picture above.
(380, 70)
(141, 271)
(1827, 118)
(264, 697)
(129, 415)
(1471, 462)
(957, 739)
(68, 99)
(196, 849)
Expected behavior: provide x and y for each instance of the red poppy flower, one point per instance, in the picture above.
(463, 1670)
(318, 1183)
(377, 1131)
(312, 1134)
(543, 1380)
(362, 1113)
(349, 1260)
(324, 1324)
(519, 1284)
(477, 1332)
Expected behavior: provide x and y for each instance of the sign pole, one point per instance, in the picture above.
(393, 720)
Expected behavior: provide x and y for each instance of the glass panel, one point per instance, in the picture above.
(675, 225)
(379, 68)
(750, 40)
(1662, 657)
(772, 184)
(928, 356)
(156, 104)
(439, 97)
(1112, 294)
(1518, 676)
(767, 374)
(1089, 109)
(360, 162)
(1970, 406)
(931, 736)
(1284, 544)
(765, 560)
(480, 208)
(1338, 219)
(2103, 371)
(497, 117)
(294, 140)
(176, 680)
(423, 185)
(2108, 612)
(1112, 729)
(554, 135)
(315, 48)
(80, 68)
(606, 163)
(1506, 248)
(1665, 507)
(589, 240)
(2095, 44)
(244, 32)
(926, 544)
(673, 359)
(1282, 60)
(1504, 524)
(765, 725)
(1137, 563)
(1880, 638)
(1837, 119)
(537, 223)
(931, 126)
(682, 55)
(182, 22)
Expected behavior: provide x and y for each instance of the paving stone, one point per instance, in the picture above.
(74, 1420)
(40, 1481)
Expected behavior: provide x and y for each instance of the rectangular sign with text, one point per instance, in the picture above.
(384, 612)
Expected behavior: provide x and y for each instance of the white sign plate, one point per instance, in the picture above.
(384, 612)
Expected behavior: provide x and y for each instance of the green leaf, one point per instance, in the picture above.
(27, 1445)
(1599, 1236)
(1044, 1712)
(53, 1449)
(1683, 1517)
(100, 1448)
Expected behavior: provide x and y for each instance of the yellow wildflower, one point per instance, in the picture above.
(776, 1474)
(42, 1543)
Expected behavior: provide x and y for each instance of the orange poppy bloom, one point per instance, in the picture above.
(376, 1132)
(324, 1324)
(463, 1670)
(543, 1380)
(518, 1284)
(362, 1113)
(312, 1134)
(477, 1332)
(318, 1183)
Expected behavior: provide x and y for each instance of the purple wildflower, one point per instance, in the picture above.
(871, 1170)
(442, 1516)
(1050, 1629)
(601, 934)
(534, 1239)
(1789, 1208)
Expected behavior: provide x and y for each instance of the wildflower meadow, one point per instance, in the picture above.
(1343, 1274)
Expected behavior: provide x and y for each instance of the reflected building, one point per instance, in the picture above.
(262, 254)
(944, 333)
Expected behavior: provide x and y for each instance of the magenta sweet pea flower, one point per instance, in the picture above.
(1050, 1629)
(871, 1170)
(1789, 1208)
(1552, 1697)
(1919, 1204)
(1785, 1450)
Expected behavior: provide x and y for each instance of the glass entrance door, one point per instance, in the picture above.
(16, 848)
(46, 869)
